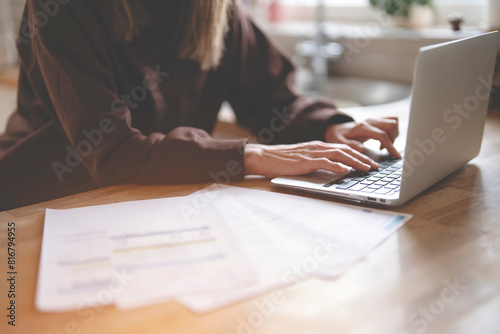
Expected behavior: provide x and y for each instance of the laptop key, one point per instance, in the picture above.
(366, 182)
(380, 183)
(357, 187)
(357, 173)
(346, 185)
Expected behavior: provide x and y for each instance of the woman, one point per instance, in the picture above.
(127, 91)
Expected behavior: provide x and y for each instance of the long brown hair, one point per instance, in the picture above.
(203, 27)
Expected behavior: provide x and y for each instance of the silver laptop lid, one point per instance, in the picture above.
(451, 89)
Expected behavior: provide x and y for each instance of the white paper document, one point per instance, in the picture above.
(214, 247)
(135, 253)
(311, 238)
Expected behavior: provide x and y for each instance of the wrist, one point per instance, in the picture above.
(333, 122)
(330, 133)
(252, 158)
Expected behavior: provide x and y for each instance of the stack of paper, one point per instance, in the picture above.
(206, 250)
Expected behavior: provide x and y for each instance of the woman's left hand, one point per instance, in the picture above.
(385, 130)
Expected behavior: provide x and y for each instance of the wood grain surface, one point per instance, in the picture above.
(439, 274)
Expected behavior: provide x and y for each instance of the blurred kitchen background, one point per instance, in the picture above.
(357, 52)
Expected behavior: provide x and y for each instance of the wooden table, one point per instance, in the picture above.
(439, 274)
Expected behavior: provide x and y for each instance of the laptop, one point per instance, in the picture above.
(449, 102)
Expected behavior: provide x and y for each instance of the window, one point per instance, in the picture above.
(474, 11)
(327, 2)
(365, 2)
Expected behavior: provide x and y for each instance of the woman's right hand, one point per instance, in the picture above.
(303, 158)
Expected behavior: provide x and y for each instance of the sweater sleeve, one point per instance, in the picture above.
(262, 92)
(80, 90)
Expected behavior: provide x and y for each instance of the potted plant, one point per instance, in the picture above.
(408, 13)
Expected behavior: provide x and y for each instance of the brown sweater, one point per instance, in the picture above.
(92, 112)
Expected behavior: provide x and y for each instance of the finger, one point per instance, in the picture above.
(362, 157)
(390, 126)
(331, 166)
(308, 165)
(336, 161)
(394, 118)
(319, 146)
(380, 135)
(386, 125)
(305, 146)
(347, 159)
(347, 150)
(328, 150)
(355, 144)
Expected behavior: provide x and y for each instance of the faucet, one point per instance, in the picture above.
(319, 51)
(319, 63)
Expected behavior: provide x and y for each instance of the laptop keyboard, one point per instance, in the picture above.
(384, 181)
